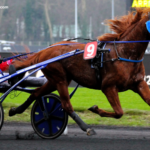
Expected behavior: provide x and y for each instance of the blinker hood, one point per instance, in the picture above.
(148, 23)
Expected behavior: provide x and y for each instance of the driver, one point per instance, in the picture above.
(29, 82)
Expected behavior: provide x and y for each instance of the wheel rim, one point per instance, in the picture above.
(55, 124)
(1, 116)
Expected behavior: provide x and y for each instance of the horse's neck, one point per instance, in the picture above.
(138, 33)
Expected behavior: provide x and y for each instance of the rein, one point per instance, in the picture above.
(12, 57)
(121, 42)
(67, 44)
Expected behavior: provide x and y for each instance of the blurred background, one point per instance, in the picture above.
(41, 23)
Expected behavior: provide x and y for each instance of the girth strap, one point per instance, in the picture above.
(97, 64)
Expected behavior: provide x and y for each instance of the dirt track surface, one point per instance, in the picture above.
(107, 138)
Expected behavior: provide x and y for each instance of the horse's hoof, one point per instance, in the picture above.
(93, 108)
(90, 132)
(12, 111)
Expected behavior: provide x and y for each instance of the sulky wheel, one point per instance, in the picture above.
(49, 123)
(1, 116)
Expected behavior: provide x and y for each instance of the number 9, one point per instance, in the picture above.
(90, 49)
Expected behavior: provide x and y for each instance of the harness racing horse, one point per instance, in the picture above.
(116, 75)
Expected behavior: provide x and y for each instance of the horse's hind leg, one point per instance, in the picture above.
(66, 105)
(43, 90)
(112, 96)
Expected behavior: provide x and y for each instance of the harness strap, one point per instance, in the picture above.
(80, 38)
(97, 64)
(124, 59)
(128, 60)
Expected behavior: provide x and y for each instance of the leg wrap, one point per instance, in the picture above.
(21, 108)
(79, 121)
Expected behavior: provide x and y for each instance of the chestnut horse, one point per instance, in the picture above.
(116, 76)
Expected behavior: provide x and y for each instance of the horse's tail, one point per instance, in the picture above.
(25, 62)
(6, 62)
(34, 58)
(20, 64)
(47, 53)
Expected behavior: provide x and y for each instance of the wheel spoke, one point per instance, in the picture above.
(40, 104)
(39, 121)
(56, 118)
(54, 105)
(50, 128)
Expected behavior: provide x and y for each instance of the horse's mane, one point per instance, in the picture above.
(123, 24)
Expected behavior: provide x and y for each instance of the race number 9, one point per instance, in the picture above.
(90, 50)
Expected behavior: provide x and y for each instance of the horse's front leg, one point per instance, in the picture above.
(112, 96)
(62, 88)
(143, 90)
